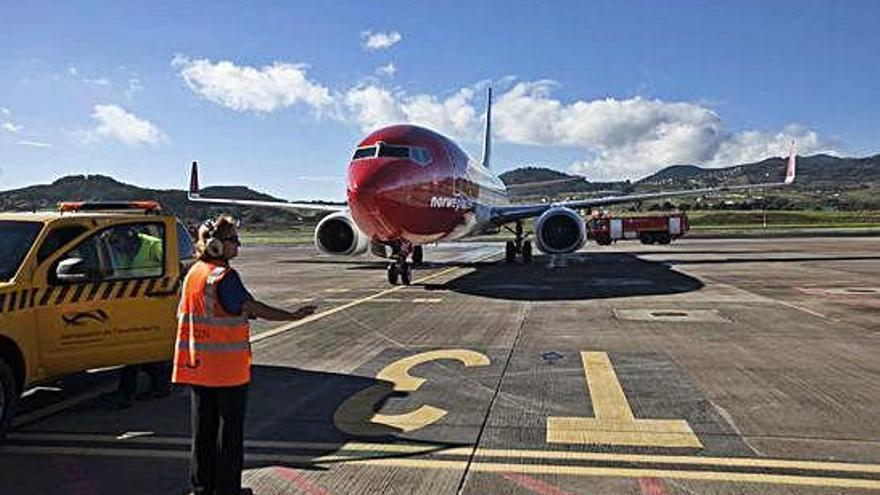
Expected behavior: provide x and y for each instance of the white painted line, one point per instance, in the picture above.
(317, 316)
(57, 407)
(801, 308)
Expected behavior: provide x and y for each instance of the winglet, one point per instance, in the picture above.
(194, 181)
(487, 136)
(792, 164)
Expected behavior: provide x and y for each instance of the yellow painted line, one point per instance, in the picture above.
(317, 316)
(614, 422)
(485, 467)
(775, 479)
(439, 450)
(751, 462)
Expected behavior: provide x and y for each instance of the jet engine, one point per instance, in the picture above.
(560, 230)
(337, 234)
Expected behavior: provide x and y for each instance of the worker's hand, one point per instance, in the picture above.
(304, 311)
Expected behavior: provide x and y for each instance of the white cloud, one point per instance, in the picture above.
(113, 122)
(387, 70)
(380, 41)
(620, 138)
(72, 71)
(98, 81)
(5, 111)
(34, 144)
(245, 88)
(10, 127)
(752, 146)
(134, 87)
(372, 106)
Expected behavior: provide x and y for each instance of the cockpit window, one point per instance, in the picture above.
(368, 152)
(393, 151)
(418, 155)
(421, 155)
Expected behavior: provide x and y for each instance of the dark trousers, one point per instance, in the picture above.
(218, 439)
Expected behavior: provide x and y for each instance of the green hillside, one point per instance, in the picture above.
(823, 182)
(102, 188)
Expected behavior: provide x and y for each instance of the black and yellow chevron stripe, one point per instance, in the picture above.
(19, 300)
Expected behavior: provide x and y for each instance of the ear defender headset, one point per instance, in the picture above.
(213, 246)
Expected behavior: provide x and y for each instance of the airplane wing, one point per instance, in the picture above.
(506, 214)
(194, 196)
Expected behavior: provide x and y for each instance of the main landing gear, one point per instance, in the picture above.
(520, 245)
(399, 268)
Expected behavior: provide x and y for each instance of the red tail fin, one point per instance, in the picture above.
(194, 180)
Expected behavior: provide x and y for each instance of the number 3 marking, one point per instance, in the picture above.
(351, 418)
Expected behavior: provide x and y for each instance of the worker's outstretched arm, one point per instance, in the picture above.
(257, 309)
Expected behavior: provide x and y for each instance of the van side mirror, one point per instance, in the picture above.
(71, 270)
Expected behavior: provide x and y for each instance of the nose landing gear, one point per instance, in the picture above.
(399, 268)
(520, 245)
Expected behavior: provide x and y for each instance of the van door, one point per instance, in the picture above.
(113, 300)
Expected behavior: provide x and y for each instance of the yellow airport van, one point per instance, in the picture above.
(91, 285)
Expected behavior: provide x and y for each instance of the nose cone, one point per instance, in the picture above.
(377, 196)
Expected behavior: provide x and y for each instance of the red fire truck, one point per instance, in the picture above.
(661, 229)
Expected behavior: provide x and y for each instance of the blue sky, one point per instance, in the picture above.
(275, 95)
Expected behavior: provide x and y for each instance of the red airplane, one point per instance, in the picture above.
(409, 186)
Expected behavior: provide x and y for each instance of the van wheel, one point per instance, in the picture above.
(8, 397)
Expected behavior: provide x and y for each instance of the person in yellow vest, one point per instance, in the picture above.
(135, 254)
(213, 356)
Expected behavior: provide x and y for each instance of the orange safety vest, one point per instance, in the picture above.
(213, 347)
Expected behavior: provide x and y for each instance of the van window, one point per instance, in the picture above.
(16, 239)
(57, 238)
(185, 249)
(116, 253)
(136, 250)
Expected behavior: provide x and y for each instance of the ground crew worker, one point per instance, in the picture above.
(136, 254)
(213, 356)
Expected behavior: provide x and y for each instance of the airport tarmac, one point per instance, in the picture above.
(702, 367)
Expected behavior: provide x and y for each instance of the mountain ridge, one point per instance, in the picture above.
(823, 182)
